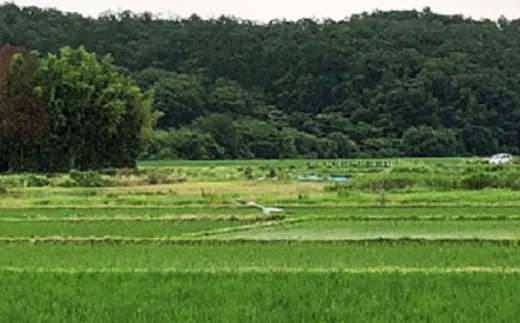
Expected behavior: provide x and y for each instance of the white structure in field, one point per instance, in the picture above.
(500, 159)
(265, 210)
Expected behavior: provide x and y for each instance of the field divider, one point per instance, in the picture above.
(271, 270)
(177, 218)
(262, 219)
(243, 228)
(425, 218)
(113, 240)
(289, 204)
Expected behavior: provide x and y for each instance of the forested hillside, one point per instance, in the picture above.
(381, 84)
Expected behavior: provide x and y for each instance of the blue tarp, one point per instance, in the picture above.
(338, 179)
(317, 178)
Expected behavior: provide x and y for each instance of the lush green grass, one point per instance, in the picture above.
(362, 230)
(407, 212)
(138, 229)
(287, 230)
(394, 212)
(182, 194)
(125, 212)
(186, 251)
(258, 297)
(263, 256)
(224, 194)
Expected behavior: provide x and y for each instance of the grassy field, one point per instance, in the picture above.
(258, 297)
(227, 212)
(290, 256)
(364, 230)
(414, 240)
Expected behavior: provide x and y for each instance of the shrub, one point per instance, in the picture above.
(67, 182)
(36, 181)
(158, 176)
(386, 182)
(248, 173)
(11, 181)
(442, 183)
(479, 181)
(415, 169)
(87, 179)
(477, 161)
(271, 173)
(336, 187)
(511, 180)
(154, 177)
(63, 181)
(394, 183)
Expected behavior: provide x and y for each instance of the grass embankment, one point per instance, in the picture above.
(240, 212)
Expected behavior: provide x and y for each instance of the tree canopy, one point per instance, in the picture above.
(69, 111)
(381, 84)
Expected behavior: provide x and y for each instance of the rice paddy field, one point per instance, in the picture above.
(410, 240)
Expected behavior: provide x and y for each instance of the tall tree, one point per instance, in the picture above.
(23, 117)
(99, 118)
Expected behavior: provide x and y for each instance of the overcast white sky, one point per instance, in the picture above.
(265, 10)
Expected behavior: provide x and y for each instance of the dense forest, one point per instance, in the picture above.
(383, 84)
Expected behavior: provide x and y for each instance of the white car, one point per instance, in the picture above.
(500, 159)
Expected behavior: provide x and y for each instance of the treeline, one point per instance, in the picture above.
(382, 84)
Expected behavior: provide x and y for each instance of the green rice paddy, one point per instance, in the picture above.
(187, 251)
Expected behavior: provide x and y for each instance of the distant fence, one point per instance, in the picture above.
(351, 163)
